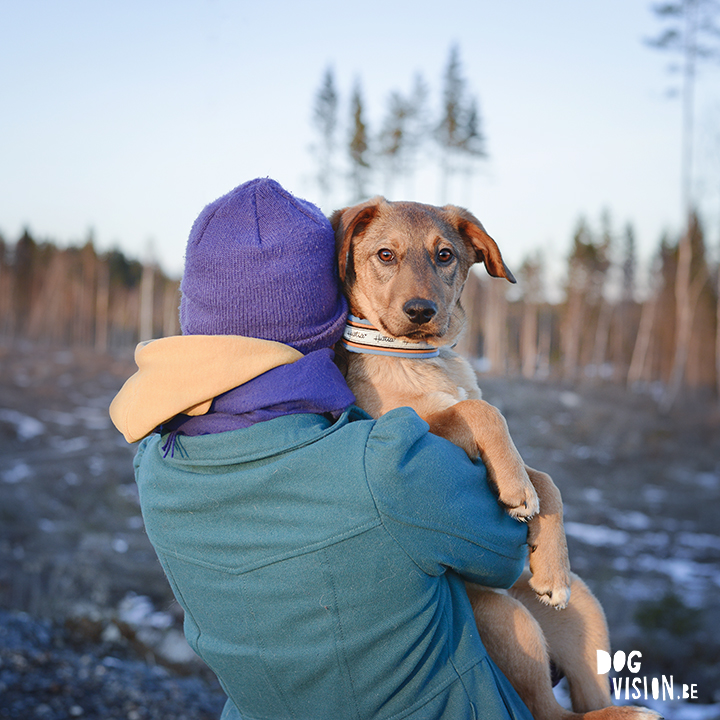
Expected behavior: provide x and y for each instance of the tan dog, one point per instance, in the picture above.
(403, 266)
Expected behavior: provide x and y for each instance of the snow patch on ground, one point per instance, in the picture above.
(597, 535)
(26, 427)
(17, 473)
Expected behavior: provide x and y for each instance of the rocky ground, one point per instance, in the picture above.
(89, 628)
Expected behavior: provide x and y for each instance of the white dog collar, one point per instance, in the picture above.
(360, 336)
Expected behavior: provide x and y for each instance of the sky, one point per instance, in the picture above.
(124, 119)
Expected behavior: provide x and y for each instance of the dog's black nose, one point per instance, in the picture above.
(420, 311)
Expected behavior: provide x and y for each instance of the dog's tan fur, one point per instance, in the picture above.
(403, 266)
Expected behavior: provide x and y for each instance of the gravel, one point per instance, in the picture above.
(48, 672)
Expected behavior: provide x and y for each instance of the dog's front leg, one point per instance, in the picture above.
(549, 562)
(480, 429)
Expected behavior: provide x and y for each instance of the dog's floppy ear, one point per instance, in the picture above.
(348, 223)
(486, 250)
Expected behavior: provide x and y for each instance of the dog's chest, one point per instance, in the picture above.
(382, 383)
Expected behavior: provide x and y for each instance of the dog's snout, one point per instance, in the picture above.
(420, 311)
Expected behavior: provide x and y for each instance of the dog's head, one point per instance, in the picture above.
(403, 265)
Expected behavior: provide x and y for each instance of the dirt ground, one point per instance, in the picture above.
(641, 493)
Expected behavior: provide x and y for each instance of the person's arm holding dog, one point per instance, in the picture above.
(454, 524)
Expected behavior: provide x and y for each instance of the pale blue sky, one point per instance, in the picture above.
(128, 117)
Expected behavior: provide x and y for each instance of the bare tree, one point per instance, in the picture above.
(85, 295)
(147, 292)
(626, 311)
(531, 281)
(102, 306)
(171, 303)
(605, 312)
(496, 326)
(6, 294)
(717, 334)
(573, 316)
(639, 369)
(692, 23)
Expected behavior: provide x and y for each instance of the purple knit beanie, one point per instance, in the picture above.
(261, 263)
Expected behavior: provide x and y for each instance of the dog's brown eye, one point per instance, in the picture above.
(386, 255)
(445, 255)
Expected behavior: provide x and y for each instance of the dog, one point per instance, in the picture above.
(403, 266)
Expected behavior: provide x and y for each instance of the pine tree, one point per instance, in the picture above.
(459, 132)
(358, 146)
(393, 139)
(325, 120)
(416, 128)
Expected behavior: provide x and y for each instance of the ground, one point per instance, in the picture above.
(640, 490)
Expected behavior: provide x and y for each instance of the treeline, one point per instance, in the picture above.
(349, 151)
(605, 328)
(78, 297)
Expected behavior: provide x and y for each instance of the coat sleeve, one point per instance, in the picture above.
(438, 505)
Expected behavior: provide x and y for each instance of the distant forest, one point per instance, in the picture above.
(599, 331)
(78, 297)
(604, 328)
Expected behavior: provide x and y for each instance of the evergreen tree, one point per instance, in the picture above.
(358, 146)
(325, 120)
(393, 138)
(417, 128)
(459, 133)
(402, 133)
(25, 263)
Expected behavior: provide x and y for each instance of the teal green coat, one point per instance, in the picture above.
(321, 566)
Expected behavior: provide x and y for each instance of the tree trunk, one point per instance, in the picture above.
(571, 333)
(529, 340)
(690, 294)
(642, 343)
(147, 291)
(496, 327)
(602, 334)
(170, 315)
(683, 311)
(717, 337)
(544, 344)
(102, 307)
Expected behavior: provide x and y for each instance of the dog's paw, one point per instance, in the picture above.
(519, 498)
(550, 579)
(555, 594)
